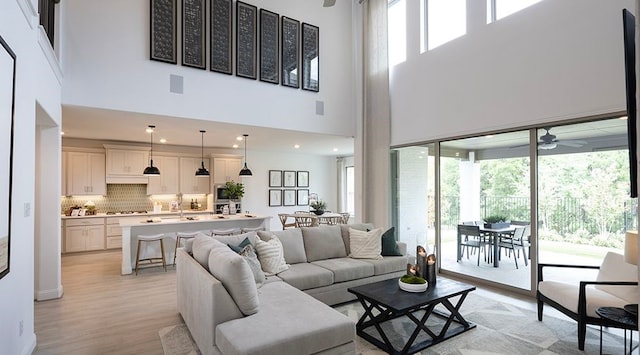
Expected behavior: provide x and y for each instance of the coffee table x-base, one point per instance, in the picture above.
(391, 302)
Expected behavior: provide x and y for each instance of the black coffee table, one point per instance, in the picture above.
(391, 302)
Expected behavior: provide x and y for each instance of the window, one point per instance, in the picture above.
(397, 32)
(498, 9)
(446, 20)
(47, 10)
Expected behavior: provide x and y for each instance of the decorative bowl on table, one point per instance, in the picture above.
(318, 212)
(412, 284)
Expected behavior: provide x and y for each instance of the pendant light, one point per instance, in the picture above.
(202, 171)
(245, 170)
(151, 170)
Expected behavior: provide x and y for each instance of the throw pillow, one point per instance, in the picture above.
(238, 248)
(365, 245)
(251, 258)
(271, 256)
(389, 246)
(292, 244)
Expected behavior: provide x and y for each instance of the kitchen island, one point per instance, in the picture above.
(169, 226)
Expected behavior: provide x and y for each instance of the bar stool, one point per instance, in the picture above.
(229, 231)
(252, 229)
(180, 236)
(151, 260)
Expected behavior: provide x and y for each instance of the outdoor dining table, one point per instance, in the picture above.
(494, 238)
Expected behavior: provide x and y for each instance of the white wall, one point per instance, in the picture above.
(34, 82)
(105, 52)
(554, 60)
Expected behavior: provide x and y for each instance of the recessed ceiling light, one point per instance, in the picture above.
(335, 149)
(296, 146)
(235, 146)
(62, 133)
(623, 117)
(239, 138)
(162, 140)
(489, 136)
(149, 130)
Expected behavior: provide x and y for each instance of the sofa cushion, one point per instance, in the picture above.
(388, 264)
(304, 276)
(292, 243)
(201, 248)
(567, 296)
(344, 228)
(271, 256)
(323, 242)
(346, 269)
(365, 245)
(236, 276)
(614, 268)
(389, 245)
(250, 256)
(289, 322)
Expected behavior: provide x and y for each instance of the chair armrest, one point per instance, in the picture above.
(582, 294)
(540, 266)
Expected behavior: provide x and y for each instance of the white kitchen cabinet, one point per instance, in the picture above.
(189, 183)
(114, 233)
(84, 234)
(168, 181)
(124, 162)
(85, 174)
(226, 169)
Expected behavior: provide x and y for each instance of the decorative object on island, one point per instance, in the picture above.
(202, 171)
(233, 191)
(245, 170)
(90, 208)
(496, 222)
(318, 207)
(151, 170)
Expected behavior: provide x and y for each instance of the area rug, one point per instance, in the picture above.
(176, 340)
(501, 329)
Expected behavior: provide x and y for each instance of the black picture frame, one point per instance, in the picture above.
(302, 179)
(163, 32)
(194, 42)
(289, 197)
(221, 13)
(246, 40)
(275, 178)
(310, 57)
(290, 44)
(288, 178)
(275, 198)
(269, 46)
(7, 119)
(302, 198)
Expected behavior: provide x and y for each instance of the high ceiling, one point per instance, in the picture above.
(101, 124)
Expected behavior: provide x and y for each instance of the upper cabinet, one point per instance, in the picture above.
(85, 173)
(226, 169)
(126, 165)
(189, 183)
(168, 180)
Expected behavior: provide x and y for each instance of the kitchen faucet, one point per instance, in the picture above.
(180, 203)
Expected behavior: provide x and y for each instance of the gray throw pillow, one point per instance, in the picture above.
(201, 248)
(323, 242)
(292, 244)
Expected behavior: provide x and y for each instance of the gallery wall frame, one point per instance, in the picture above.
(303, 197)
(289, 67)
(7, 109)
(246, 40)
(269, 46)
(275, 178)
(302, 178)
(194, 23)
(221, 60)
(275, 198)
(289, 178)
(162, 41)
(289, 197)
(310, 57)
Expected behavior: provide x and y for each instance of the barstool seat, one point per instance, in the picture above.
(252, 229)
(229, 231)
(180, 236)
(151, 260)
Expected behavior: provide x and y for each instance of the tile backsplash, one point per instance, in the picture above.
(129, 197)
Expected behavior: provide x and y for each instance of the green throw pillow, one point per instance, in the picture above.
(240, 246)
(389, 246)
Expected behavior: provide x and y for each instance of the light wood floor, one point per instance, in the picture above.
(103, 312)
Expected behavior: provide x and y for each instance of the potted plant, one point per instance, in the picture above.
(496, 222)
(318, 207)
(233, 191)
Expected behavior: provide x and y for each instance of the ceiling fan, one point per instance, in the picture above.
(549, 141)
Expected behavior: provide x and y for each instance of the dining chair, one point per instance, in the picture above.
(345, 217)
(304, 221)
(329, 220)
(515, 243)
(470, 238)
(283, 219)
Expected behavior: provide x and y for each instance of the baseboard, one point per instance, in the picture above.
(31, 346)
(49, 294)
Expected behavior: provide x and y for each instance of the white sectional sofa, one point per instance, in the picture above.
(228, 313)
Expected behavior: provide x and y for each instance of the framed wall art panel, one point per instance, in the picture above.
(246, 40)
(290, 52)
(7, 105)
(275, 178)
(269, 46)
(303, 197)
(288, 197)
(194, 24)
(310, 57)
(302, 178)
(162, 41)
(289, 178)
(275, 198)
(221, 40)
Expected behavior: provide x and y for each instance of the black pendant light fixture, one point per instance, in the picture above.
(245, 170)
(202, 171)
(151, 170)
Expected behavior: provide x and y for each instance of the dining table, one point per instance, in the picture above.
(494, 235)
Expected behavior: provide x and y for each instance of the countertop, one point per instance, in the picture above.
(141, 215)
(196, 219)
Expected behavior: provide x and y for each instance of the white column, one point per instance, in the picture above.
(470, 189)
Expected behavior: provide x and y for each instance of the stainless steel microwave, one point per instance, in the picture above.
(219, 193)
